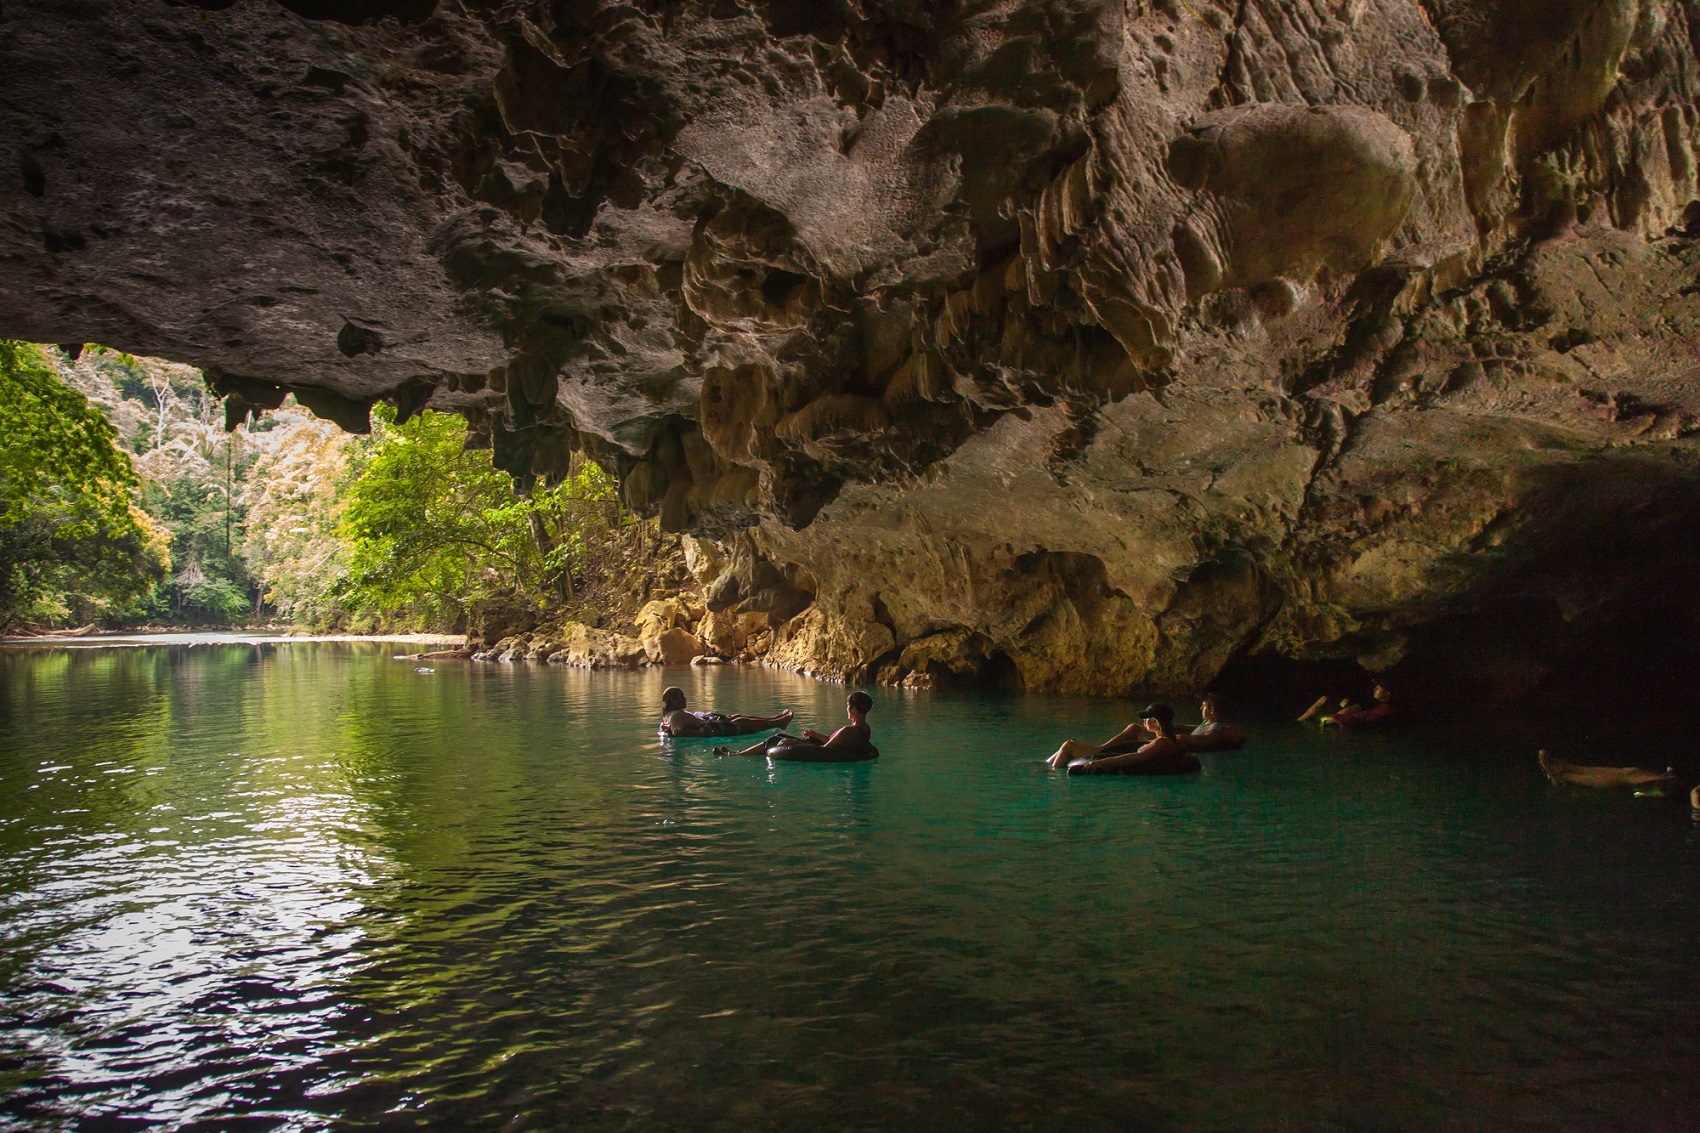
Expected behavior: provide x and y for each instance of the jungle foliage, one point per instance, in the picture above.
(73, 545)
(138, 508)
(432, 530)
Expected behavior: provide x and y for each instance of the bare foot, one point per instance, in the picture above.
(785, 717)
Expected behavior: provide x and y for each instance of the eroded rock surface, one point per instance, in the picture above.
(1080, 343)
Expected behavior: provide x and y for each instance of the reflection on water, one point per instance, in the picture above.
(297, 886)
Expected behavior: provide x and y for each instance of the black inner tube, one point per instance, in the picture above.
(717, 729)
(820, 753)
(1185, 764)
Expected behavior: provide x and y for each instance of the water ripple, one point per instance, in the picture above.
(297, 887)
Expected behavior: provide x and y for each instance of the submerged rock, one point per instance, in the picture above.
(1081, 345)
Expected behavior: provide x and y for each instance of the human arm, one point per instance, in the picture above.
(681, 723)
(818, 737)
(1106, 764)
(1129, 738)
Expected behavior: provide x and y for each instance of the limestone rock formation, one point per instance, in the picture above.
(587, 647)
(1086, 344)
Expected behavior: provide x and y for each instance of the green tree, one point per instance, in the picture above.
(433, 530)
(293, 506)
(72, 541)
(191, 472)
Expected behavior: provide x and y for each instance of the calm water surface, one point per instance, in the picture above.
(302, 886)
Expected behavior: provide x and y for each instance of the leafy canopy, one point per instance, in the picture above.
(71, 540)
(57, 453)
(432, 529)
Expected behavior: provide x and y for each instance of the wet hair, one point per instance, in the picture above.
(1161, 713)
(672, 699)
(861, 702)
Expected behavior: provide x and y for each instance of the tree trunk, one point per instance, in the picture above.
(540, 538)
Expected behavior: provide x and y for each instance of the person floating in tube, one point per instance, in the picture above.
(1130, 752)
(851, 743)
(1352, 715)
(677, 721)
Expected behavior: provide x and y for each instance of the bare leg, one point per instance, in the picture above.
(1321, 703)
(1071, 749)
(761, 748)
(778, 721)
(1582, 775)
(754, 749)
(1639, 777)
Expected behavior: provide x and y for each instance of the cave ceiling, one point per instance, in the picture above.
(1106, 339)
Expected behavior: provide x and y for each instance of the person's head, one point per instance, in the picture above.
(673, 699)
(858, 704)
(1208, 707)
(1159, 719)
(1383, 693)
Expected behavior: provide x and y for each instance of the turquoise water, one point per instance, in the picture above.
(303, 886)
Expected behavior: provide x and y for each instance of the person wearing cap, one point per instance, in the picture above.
(1150, 742)
(676, 721)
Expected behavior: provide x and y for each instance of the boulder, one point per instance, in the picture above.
(660, 615)
(830, 647)
(664, 627)
(723, 633)
(675, 647)
(587, 647)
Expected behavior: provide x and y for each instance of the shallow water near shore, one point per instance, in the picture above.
(298, 886)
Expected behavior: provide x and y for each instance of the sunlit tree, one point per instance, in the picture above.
(432, 529)
(73, 543)
(293, 508)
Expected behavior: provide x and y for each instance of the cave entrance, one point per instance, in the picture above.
(999, 673)
(1280, 682)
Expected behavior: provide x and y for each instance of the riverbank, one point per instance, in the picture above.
(223, 637)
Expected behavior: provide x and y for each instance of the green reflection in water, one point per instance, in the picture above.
(308, 885)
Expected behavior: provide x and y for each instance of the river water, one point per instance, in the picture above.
(301, 886)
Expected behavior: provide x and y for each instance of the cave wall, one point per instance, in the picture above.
(1087, 343)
